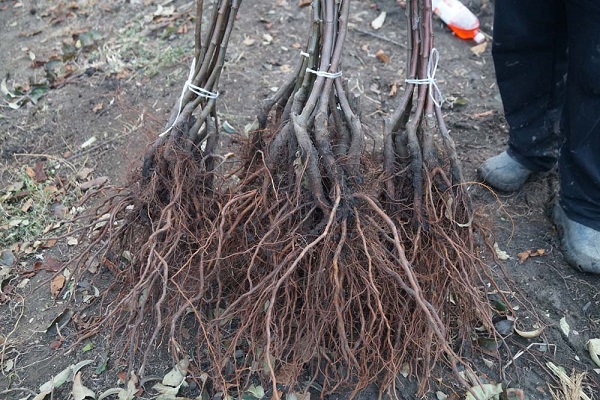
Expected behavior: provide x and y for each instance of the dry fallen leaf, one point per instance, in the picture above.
(267, 39)
(479, 49)
(88, 142)
(57, 284)
(122, 375)
(286, 68)
(524, 255)
(183, 29)
(594, 349)
(529, 334)
(50, 189)
(27, 205)
(51, 264)
(381, 56)
(564, 326)
(501, 254)
(98, 107)
(304, 3)
(79, 391)
(378, 22)
(93, 183)
(483, 114)
(49, 243)
(29, 172)
(486, 391)
(393, 89)
(248, 41)
(84, 173)
(71, 241)
(38, 171)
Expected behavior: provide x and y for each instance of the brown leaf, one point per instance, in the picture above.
(51, 264)
(524, 255)
(50, 189)
(479, 49)
(49, 243)
(484, 114)
(38, 63)
(183, 29)
(57, 284)
(304, 3)
(381, 56)
(98, 107)
(286, 374)
(55, 345)
(122, 375)
(38, 170)
(29, 172)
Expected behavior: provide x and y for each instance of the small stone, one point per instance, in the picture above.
(7, 258)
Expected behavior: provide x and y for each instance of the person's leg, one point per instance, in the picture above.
(579, 163)
(529, 50)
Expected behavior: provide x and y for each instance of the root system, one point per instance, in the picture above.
(306, 257)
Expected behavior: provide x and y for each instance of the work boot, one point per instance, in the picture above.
(503, 172)
(580, 244)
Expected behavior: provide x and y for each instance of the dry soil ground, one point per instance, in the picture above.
(92, 81)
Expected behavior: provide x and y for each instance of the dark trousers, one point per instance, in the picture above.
(547, 59)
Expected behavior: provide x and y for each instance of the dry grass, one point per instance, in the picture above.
(571, 387)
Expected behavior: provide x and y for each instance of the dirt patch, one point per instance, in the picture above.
(115, 89)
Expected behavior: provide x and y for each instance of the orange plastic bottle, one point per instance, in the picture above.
(459, 18)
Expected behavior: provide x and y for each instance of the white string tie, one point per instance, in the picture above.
(434, 90)
(324, 74)
(198, 91)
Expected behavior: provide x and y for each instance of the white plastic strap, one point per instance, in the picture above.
(198, 91)
(329, 75)
(434, 91)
